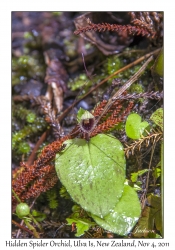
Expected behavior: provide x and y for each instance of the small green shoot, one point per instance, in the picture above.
(134, 176)
(82, 224)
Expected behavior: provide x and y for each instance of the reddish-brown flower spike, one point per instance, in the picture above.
(40, 168)
(101, 27)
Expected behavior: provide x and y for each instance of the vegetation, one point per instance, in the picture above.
(87, 125)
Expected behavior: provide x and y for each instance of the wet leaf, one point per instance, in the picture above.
(157, 117)
(135, 127)
(93, 172)
(124, 215)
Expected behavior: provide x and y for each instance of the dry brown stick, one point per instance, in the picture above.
(119, 92)
(33, 154)
(125, 86)
(61, 117)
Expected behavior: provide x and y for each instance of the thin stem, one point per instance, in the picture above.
(35, 221)
(32, 229)
(34, 152)
(147, 181)
(61, 117)
(16, 196)
(123, 88)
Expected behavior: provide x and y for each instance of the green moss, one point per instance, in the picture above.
(28, 130)
(23, 60)
(136, 88)
(52, 197)
(25, 127)
(28, 35)
(64, 193)
(31, 117)
(129, 72)
(28, 66)
(78, 82)
(113, 64)
(23, 113)
(70, 47)
(24, 148)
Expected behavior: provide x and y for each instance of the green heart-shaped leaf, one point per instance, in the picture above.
(93, 172)
(134, 127)
(123, 217)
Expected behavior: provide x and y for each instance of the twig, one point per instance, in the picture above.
(152, 152)
(122, 89)
(61, 117)
(150, 95)
(154, 137)
(39, 142)
(143, 198)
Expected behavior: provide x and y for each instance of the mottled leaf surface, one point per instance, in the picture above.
(93, 172)
(125, 214)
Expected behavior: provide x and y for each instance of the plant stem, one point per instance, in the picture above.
(32, 229)
(61, 117)
(123, 88)
(18, 199)
(35, 221)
